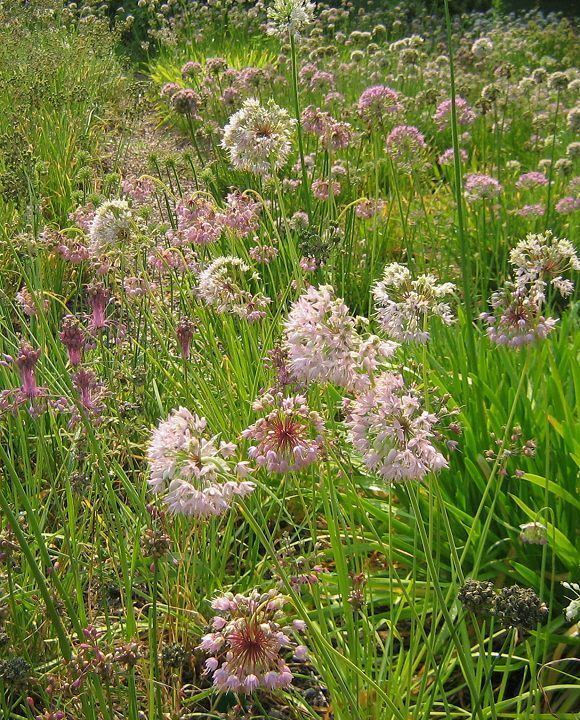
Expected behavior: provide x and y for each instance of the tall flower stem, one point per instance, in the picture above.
(463, 658)
(305, 187)
(464, 243)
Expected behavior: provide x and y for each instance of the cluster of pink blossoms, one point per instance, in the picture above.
(289, 437)
(465, 113)
(193, 469)
(391, 431)
(516, 317)
(246, 644)
(378, 102)
(323, 344)
(333, 134)
(530, 180)
(447, 157)
(481, 187)
(405, 144)
(201, 222)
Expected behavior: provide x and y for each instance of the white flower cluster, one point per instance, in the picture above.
(258, 137)
(405, 305)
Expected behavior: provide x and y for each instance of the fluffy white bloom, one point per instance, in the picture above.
(194, 469)
(258, 137)
(404, 305)
(482, 47)
(289, 17)
(223, 285)
(573, 610)
(111, 225)
(323, 344)
(392, 433)
(542, 258)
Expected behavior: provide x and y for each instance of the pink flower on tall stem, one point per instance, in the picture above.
(289, 437)
(247, 641)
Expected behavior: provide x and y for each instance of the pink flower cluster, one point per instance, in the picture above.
(515, 318)
(481, 187)
(333, 134)
(392, 433)
(289, 437)
(531, 180)
(201, 222)
(378, 102)
(405, 145)
(246, 644)
(194, 469)
(323, 344)
(464, 111)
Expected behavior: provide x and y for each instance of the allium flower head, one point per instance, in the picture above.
(223, 285)
(245, 647)
(464, 111)
(405, 145)
(289, 437)
(186, 101)
(482, 47)
(542, 258)
(447, 157)
(258, 137)
(289, 17)
(193, 468)
(515, 318)
(29, 393)
(404, 305)
(73, 338)
(392, 433)
(534, 533)
(531, 180)
(111, 226)
(197, 222)
(481, 187)
(378, 102)
(323, 344)
(572, 612)
(333, 134)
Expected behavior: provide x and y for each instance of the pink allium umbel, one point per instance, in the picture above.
(464, 111)
(392, 432)
(193, 469)
(405, 145)
(378, 102)
(324, 345)
(250, 635)
(405, 305)
(481, 187)
(516, 316)
(290, 435)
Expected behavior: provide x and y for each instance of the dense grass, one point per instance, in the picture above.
(386, 634)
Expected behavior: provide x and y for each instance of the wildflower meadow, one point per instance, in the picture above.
(289, 360)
